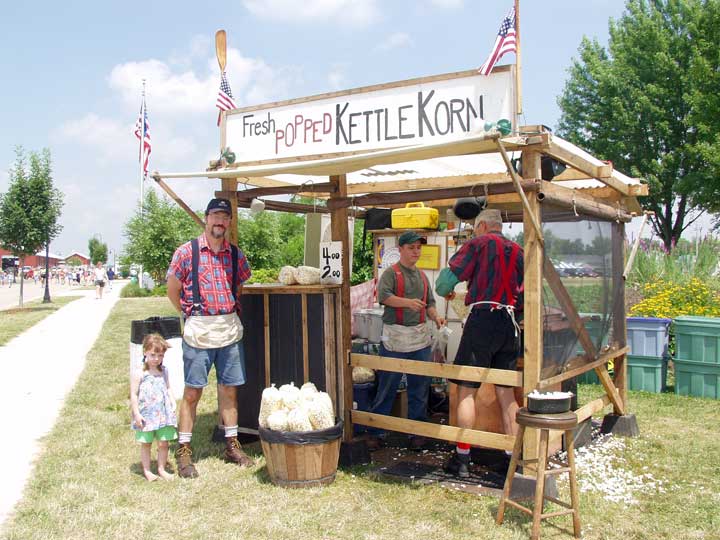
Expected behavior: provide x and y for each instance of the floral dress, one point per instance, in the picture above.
(154, 403)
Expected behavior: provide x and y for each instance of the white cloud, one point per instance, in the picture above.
(395, 41)
(449, 4)
(337, 78)
(353, 12)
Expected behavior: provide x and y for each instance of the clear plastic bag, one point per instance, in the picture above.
(439, 344)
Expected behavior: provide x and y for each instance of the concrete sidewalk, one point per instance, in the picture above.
(40, 367)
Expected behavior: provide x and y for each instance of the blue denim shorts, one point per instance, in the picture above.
(229, 362)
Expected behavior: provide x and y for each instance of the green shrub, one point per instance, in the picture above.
(133, 290)
(263, 275)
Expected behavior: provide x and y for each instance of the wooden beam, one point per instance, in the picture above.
(325, 187)
(425, 195)
(602, 359)
(178, 200)
(610, 390)
(533, 308)
(384, 186)
(534, 220)
(433, 369)
(583, 162)
(618, 307)
(339, 230)
(487, 439)
(230, 185)
(563, 197)
(566, 304)
(595, 406)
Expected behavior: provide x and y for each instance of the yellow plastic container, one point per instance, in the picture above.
(415, 216)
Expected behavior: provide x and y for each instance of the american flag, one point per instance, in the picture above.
(225, 99)
(504, 43)
(142, 132)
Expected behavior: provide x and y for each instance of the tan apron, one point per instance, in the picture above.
(401, 338)
(212, 331)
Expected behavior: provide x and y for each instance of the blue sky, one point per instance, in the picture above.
(73, 74)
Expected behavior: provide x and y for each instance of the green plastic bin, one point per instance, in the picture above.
(698, 379)
(647, 373)
(589, 377)
(698, 340)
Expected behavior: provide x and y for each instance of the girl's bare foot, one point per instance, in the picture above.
(149, 476)
(165, 475)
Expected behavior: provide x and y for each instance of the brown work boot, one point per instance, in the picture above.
(234, 453)
(183, 457)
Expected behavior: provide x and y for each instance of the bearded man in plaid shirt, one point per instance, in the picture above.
(212, 333)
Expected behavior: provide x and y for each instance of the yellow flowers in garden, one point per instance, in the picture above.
(671, 300)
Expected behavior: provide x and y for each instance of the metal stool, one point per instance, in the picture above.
(544, 422)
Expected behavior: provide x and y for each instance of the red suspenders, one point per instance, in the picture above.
(505, 271)
(401, 293)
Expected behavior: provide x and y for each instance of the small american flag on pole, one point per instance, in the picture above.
(225, 99)
(142, 132)
(504, 43)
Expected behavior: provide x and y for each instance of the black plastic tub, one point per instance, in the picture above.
(549, 405)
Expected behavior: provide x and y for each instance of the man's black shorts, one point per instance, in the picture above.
(488, 341)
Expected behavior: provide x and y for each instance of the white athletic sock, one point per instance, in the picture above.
(231, 431)
(462, 451)
(184, 438)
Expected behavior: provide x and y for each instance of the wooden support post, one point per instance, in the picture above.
(339, 228)
(618, 307)
(533, 321)
(266, 335)
(230, 184)
(305, 339)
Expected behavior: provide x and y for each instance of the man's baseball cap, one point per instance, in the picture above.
(218, 205)
(409, 237)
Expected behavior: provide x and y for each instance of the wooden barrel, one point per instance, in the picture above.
(294, 460)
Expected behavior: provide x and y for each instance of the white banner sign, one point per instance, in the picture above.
(373, 118)
(330, 263)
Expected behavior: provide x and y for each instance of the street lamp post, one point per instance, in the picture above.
(46, 297)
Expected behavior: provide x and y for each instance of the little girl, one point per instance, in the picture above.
(153, 406)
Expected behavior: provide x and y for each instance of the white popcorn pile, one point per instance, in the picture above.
(362, 375)
(287, 275)
(549, 395)
(290, 408)
(601, 468)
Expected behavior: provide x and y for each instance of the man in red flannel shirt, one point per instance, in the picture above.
(493, 267)
(212, 333)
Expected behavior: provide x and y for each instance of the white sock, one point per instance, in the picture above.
(508, 452)
(231, 431)
(184, 438)
(462, 451)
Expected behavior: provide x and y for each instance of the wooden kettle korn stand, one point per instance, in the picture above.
(432, 139)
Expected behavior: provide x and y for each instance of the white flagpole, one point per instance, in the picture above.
(518, 74)
(142, 168)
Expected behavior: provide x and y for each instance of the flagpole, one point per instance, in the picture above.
(518, 62)
(143, 127)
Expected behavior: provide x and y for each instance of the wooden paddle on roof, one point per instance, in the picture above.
(221, 48)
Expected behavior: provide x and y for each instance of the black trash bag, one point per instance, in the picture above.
(167, 327)
(318, 436)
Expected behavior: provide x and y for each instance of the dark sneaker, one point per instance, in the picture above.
(234, 453)
(185, 467)
(417, 443)
(457, 465)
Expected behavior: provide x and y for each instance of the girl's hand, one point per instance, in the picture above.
(139, 420)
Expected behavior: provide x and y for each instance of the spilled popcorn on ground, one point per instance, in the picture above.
(601, 468)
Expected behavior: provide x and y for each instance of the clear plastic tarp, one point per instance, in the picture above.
(580, 250)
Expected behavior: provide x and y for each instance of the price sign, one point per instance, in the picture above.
(330, 263)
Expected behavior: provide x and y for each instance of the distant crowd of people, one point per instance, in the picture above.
(79, 277)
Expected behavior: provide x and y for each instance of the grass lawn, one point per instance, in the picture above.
(17, 320)
(87, 482)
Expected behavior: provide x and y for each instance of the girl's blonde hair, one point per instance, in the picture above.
(153, 342)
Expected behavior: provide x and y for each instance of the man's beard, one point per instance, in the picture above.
(215, 234)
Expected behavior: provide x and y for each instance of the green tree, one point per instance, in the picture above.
(154, 235)
(31, 207)
(98, 251)
(649, 104)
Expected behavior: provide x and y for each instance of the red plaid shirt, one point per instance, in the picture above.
(214, 277)
(477, 263)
